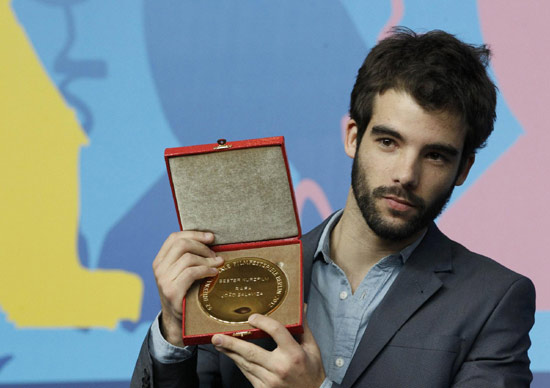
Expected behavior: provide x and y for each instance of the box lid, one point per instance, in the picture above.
(241, 191)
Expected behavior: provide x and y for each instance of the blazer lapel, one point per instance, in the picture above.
(414, 285)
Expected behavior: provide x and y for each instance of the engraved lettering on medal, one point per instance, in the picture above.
(243, 286)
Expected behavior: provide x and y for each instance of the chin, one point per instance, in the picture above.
(396, 229)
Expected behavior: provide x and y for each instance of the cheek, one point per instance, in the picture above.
(377, 169)
(437, 184)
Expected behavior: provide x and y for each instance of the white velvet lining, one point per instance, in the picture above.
(239, 195)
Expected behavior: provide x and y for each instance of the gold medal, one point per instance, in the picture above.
(243, 286)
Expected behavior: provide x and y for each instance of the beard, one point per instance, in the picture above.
(366, 198)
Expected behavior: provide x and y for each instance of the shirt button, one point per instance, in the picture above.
(339, 362)
(343, 295)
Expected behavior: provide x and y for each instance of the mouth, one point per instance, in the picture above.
(399, 204)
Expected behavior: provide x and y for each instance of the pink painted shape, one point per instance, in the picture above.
(397, 11)
(508, 208)
(308, 189)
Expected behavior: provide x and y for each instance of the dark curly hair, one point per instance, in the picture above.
(439, 71)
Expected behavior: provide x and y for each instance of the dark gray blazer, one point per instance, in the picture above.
(451, 318)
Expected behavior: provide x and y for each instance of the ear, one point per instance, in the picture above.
(465, 170)
(350, 140)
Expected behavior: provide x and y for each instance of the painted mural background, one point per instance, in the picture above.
(92, 91)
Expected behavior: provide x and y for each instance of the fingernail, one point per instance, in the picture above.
(208, 235)
(252, 318)
(213, 270)
(217, 340)
(219, 259)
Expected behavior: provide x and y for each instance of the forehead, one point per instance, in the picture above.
(399, 111)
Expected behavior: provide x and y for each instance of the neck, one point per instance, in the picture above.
(356, 248)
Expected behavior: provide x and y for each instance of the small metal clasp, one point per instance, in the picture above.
(222, 144)
(241, 334)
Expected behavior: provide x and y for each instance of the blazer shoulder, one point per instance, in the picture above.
(484, 271)
(464, 257)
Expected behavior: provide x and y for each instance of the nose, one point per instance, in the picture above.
(407, 171)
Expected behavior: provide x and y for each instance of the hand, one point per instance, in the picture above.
(182, 259)
(291, 364)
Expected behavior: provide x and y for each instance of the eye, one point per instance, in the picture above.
(386, 142)
(436, 156)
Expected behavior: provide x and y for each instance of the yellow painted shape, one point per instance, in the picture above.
(42, 283)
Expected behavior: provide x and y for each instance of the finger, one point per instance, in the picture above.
(189, 245)
(190, 275)
(190, 260)
(254, 373)
(275, 329)
(187, 269)
(181, 247)
(174, 281)
(248, 351)
(203, 237)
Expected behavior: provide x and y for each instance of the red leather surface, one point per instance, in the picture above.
(236, 145)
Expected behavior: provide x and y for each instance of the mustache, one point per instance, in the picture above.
(396, 191)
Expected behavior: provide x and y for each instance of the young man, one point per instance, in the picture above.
(391, 301)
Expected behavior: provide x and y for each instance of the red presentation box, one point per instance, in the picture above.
(242, 192)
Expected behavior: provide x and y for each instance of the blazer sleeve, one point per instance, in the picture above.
(149, 372)
(498, 357)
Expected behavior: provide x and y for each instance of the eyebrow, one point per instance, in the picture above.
(382, 130)
(378, 130)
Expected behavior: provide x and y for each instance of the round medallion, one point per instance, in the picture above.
(243, 286)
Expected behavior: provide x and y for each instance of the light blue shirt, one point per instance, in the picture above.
(336, 316)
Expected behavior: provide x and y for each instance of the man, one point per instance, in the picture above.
(391, 301)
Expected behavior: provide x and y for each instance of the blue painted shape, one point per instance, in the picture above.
(539, 354)
(258, 68)
(295, 175)
(68, 355)
(4, 360)
(131, 133)
(507, 131)
(83, 249)
(144, 229)
(541, 380)
(368, 18)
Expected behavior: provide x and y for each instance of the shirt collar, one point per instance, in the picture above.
(323, 248)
